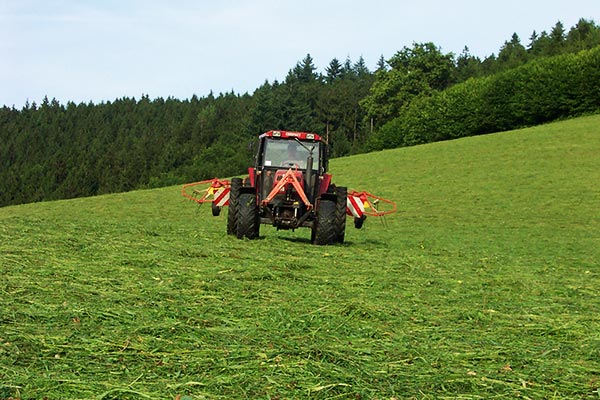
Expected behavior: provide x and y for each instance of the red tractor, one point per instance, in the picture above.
(289, 188)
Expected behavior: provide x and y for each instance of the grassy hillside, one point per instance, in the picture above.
(485, 284)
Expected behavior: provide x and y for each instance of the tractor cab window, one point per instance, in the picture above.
(289, 154)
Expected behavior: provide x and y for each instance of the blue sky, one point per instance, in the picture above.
(102, 50)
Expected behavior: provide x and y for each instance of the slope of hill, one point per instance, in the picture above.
(484, 284)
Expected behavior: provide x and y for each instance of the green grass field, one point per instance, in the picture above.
(484, 285)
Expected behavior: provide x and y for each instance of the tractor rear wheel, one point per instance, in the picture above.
(234, 194)
(324, 231)
(248, 222)
(340, 214)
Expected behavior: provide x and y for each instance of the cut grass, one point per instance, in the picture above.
(484, 285)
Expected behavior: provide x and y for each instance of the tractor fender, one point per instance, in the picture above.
(325, 182)
(251, 176)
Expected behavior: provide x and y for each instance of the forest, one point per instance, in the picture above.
(420, 94)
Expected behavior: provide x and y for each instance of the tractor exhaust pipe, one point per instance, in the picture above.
(309, 175)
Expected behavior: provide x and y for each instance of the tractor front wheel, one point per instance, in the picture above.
(248, 222)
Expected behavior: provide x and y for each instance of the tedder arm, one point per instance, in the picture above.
(361, 204)
(215, 191)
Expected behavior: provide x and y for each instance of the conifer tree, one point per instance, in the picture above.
(334, 70)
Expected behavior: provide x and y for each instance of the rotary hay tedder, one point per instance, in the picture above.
(288, 188)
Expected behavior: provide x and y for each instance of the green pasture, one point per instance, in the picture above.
(485, 284)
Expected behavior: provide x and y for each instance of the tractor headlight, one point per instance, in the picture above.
(310, 136)
(276, 134)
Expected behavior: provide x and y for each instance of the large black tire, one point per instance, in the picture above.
(340, 214)
(248, 222)
(324, 231)
(234, 194)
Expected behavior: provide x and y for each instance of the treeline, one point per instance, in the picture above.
(428, 95)
(54, 151)
(541, 91)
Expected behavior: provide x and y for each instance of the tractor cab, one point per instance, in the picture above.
(281, 151)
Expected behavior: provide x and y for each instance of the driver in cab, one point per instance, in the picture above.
(293, 160)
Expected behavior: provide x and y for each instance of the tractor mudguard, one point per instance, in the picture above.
(325, 184)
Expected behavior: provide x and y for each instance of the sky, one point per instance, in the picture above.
(101, 50)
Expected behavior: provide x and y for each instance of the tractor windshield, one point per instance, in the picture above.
(289, 154)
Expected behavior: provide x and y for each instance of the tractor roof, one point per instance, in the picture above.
(292, 135)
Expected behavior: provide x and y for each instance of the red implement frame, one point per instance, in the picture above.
(371, 202)
(288, 178)
(207, 195)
